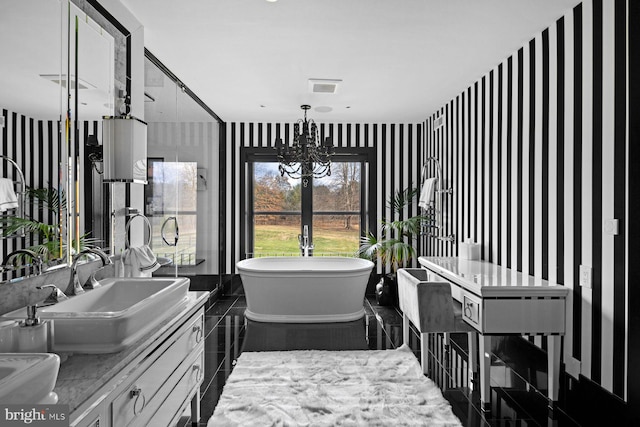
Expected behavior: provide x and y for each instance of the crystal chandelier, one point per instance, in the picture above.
(307, 156)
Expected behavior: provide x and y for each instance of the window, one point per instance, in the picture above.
(333, 207)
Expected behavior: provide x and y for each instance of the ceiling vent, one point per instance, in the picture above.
(438, 122)
(323, 85)
(61, 79)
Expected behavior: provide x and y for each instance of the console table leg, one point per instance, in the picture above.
(484, 350)
(424, 352)
(553, 364)
(405, 329)
(472, 339)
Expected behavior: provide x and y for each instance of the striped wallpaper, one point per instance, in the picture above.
(36, 146)
(536, 153)
(399, 155)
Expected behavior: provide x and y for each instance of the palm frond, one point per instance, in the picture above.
(13, 225)
(369, 247)
(402, 198)
(50, 198)
(407, 227)
(398, 253)
(397, 250)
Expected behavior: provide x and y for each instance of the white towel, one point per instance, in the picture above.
(8, 198)
(139, 262)
(426, 194)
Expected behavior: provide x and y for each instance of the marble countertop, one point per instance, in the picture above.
(486, 279)
(81, 376)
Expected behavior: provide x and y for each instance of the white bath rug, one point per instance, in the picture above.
(331, 388)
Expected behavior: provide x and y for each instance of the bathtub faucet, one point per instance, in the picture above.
(303, 239)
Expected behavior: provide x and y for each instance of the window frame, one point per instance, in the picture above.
(368, 191)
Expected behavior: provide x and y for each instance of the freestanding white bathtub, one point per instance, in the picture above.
(304, 289)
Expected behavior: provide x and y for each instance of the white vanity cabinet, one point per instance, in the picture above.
(150, 384)
(170, 378)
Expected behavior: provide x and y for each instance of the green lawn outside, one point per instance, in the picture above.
(273, 240)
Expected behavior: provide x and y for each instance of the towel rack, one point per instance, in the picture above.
(438, 203)
(19, 194)
(423, 176)
(128, 225)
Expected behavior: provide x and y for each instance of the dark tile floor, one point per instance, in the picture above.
(515, 399)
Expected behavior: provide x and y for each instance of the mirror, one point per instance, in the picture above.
(90, 96)
(49, 115)
(182, 149)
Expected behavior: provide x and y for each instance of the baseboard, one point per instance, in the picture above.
(589, 404)
(572, 366)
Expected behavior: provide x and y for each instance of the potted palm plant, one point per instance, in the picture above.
(48, 245)
(395, 246)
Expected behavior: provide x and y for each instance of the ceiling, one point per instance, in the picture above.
(31, 64)
(397, 61)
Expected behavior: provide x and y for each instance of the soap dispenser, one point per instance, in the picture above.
(32, 333)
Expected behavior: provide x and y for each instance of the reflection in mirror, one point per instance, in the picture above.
(182, 145)
(173, 211)
(47, 116)
(30, 98)
(90, 87)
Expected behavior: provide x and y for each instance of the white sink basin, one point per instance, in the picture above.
(110, 318)
(28, 378)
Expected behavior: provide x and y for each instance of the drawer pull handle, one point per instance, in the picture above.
(467, 310)
(197, 368)
(198, 330)
(137, 393)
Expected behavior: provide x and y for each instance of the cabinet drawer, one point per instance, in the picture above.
(472, 310)
(134, 402)
(186, 388)
(524, 316)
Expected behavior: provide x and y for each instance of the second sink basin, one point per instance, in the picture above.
(113, 316)
(28, 378)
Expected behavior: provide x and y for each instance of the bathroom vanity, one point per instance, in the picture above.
(500, 301)
(150, 382)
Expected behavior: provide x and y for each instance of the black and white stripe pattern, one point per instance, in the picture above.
(536, 149)
(36, 145)
(399, 156)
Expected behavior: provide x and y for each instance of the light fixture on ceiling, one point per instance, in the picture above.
(307, 156)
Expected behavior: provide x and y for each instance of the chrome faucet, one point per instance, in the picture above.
(55, 297)
(303, 240)
(36, 260)
(75, 281)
